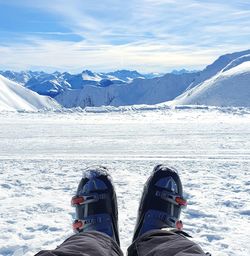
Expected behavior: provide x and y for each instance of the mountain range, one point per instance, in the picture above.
(225, 82)
(170, 87)
(57, 82)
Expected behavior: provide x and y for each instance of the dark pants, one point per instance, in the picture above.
(152, 243)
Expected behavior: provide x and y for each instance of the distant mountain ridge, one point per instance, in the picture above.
(225, 82)
(57, 82)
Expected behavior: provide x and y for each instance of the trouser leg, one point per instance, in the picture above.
(86, 244)
(159, 243)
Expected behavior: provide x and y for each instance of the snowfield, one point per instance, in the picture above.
(42, 156)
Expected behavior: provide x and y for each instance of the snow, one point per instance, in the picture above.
(129, 75)
(212, 69)
(230, 87)
(15, 97)
(88, 75)
(237, 62)
(42, 156)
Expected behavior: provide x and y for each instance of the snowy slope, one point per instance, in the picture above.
(216, 67)
(230, 87)
(15, 97)
(140, 91)
(237, 62)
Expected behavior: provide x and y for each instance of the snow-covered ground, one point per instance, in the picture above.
(42, 156)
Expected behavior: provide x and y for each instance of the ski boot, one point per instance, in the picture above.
(96, 204)
(161, 202)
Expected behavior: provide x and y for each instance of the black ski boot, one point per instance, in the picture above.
(96, 204)
(161, 202)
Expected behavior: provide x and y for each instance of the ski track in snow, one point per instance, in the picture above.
(42, 157)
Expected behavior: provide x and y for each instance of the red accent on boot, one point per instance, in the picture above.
(76, 200)
(78, 224)
(181, 201)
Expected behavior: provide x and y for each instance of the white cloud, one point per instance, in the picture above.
(74, 57)
(149, 35)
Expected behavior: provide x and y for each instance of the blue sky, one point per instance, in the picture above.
(103, 35)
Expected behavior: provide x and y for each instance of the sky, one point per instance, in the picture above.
(106, 35)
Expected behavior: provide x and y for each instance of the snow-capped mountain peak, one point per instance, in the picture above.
(90, 76)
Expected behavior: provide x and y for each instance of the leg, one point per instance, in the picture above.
(96, 221)
(160, 208)
(159, 242)
(85, 244)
